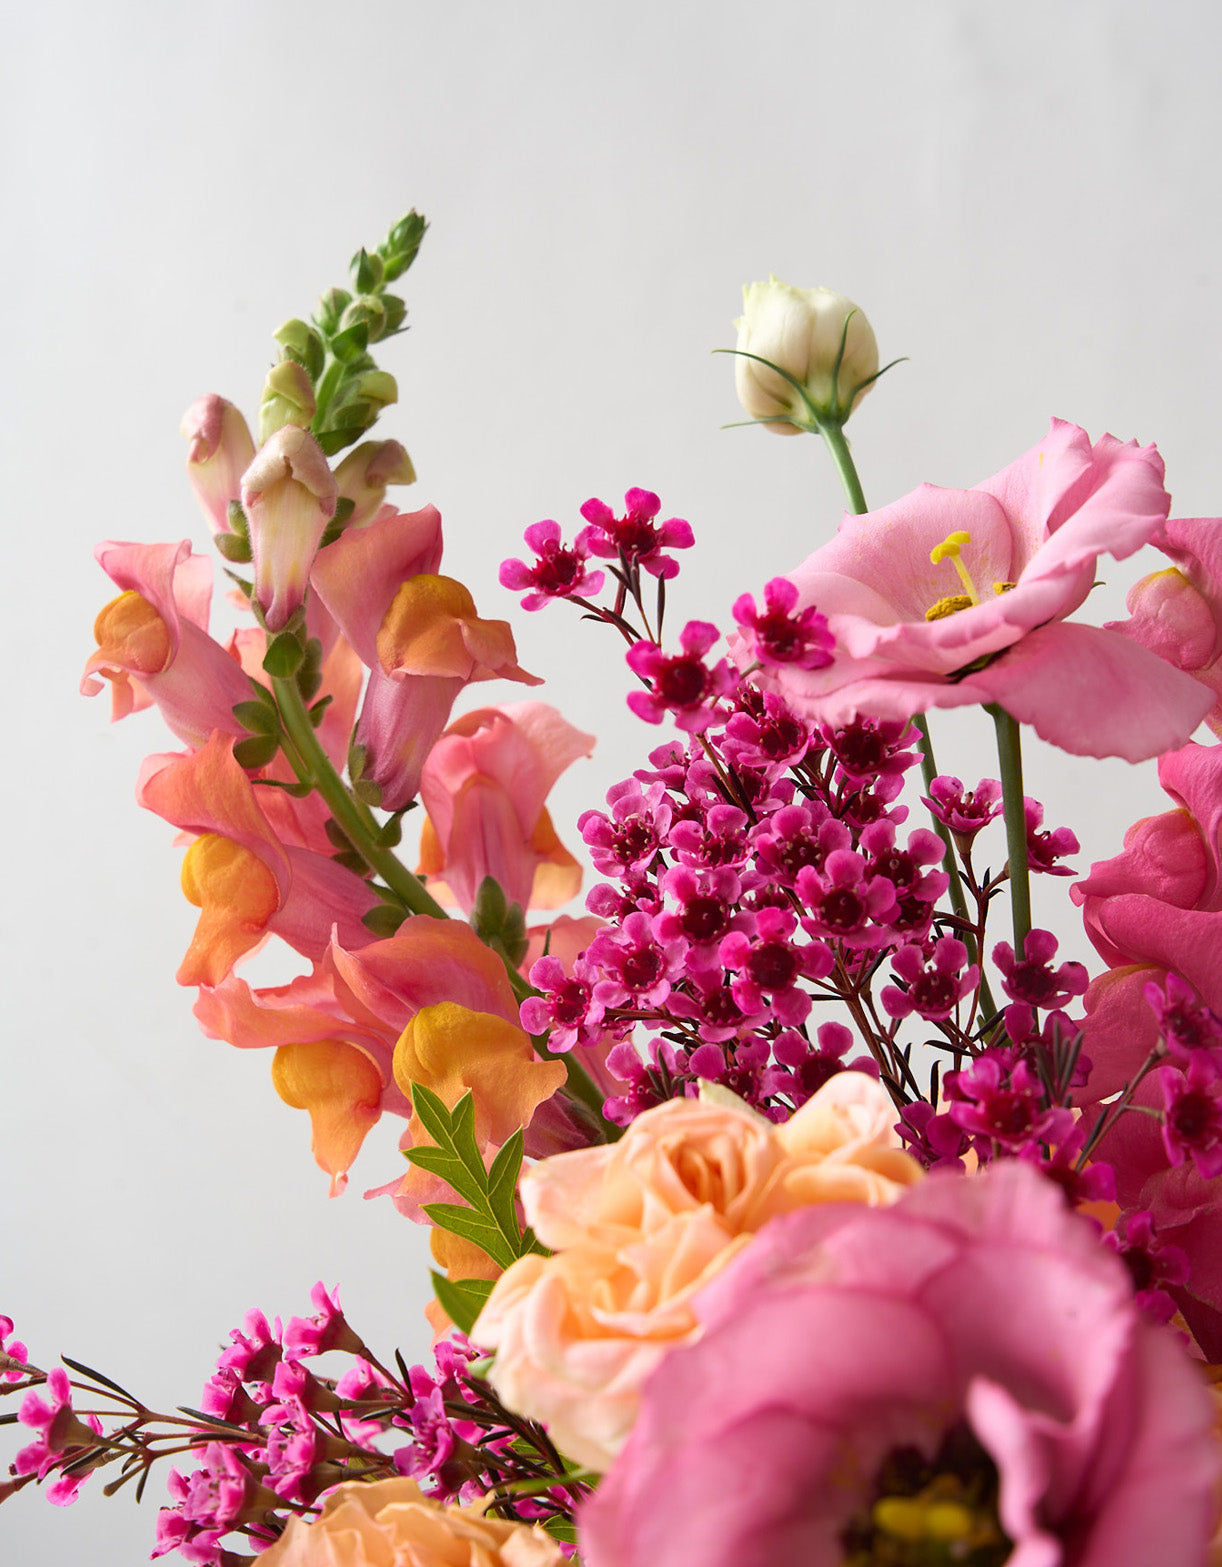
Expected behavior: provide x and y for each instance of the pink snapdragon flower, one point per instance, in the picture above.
(289, 495)
(972, 1345)
(953, 597)
(221, 450)
(484, 785)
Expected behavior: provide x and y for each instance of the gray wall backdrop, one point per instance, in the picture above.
(1024, 198)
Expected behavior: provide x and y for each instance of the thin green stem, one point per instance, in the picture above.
(348, 813)
(1010, 762)
(838, 447)
(361, 831)
(833, 435)
(327, 388)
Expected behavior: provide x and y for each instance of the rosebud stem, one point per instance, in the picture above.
(838, 447)
(1010, 764)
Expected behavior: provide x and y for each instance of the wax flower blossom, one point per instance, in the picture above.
(993, 1395)
(954, 597)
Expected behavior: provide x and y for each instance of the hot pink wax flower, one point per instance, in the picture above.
(965, 1372)
(953, 597)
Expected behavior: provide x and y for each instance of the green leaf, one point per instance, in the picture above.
(467, 1223)
(462, 1300)
(489, 1219)
(257, 751)
(319, 709)
(283, 657)
(258, 717)
(233, 549)
(382, 919)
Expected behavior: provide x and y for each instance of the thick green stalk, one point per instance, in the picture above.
(1010, 762)
(359, 828)
(361, 831)
(838, 447)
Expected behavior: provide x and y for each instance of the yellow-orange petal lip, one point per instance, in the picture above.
(130, 632)
(342, 1090)
(432, 628)
(236, 895)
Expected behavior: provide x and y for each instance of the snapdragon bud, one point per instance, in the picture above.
(221, 451)
(802, 331)
(365, 473)
(289, 495)
(288, 398)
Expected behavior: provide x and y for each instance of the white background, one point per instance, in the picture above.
(1024, 199)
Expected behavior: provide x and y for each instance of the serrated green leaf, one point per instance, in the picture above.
(503, 1177)
(481, 1232)
(462, 1300)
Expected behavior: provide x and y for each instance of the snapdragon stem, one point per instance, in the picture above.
(1010, 764)
(833, 436)
(358, 828)
(361, 831)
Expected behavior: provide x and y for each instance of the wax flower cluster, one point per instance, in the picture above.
(783, 1206)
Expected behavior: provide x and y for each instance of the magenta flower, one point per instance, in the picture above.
(11, 1349)
(635, 538)
(681, 684)
(964, 811)
(972, 1347)
(779, 637)
(559, 571)
(62, 1436)
(953, 597)
(1192, 1126)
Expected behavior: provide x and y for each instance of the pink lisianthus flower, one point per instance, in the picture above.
(952, 597)
(974, 1336)
(1152, 910)
(1177, 613)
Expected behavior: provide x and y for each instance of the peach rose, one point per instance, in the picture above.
(638, 1227)
(382, 1523)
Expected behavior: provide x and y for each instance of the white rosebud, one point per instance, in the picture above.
(800, 330)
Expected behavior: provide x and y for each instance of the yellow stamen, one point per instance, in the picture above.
(951, 549)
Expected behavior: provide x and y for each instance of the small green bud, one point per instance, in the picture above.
(399, 248)
(330, 307)
(288, 398)
(344, 507)
(383, 920)
(368, 310)
(376, 386)
(498, 923)
(258, 717)
(367, 271)
(395, 312)
(351, 342)
(233, 548)
(302, 343)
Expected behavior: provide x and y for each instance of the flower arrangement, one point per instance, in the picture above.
(782, 1208)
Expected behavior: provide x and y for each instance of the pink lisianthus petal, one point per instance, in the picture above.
(1093, 693)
